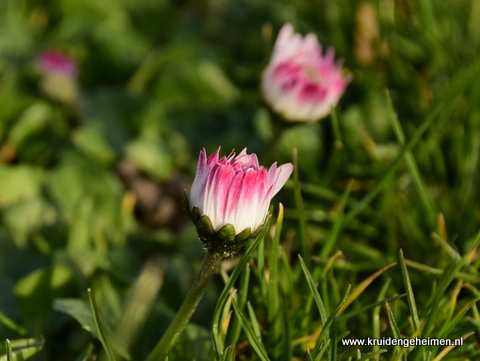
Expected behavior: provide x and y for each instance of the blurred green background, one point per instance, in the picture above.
(91, 185)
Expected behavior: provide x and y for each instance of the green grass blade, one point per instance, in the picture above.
(324, 333)
(376, 326)
(21, 349)
(286, 332)
(459, 317)
(348, 315)
(332, 238)
(357, 291)
(254, 321)
(448, 275)
(286, 278)
(301, 209)
(223, 274)
(137, 309)
(395, 329)
(333, 349)
(323, 350)
(241, 301)
(98, 326)
(8, 347)
(228, 287)
(449, 325)
(316, 296)
(410, 296)
(425, 199)
(314, 291)
(226, 317)
(274, 319)
(337, 134)
(9, 323)
(229, 354)
(88, 354)
(309, 355)
(251, 334)
(452, 253)
(437, 271)
(370, 355)
(260, 257)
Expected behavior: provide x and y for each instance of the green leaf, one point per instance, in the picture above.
(217, 81)
(18, 182)
(151, 156)
(36, 291)
(26, 217)
(79, 310)
(31, 121)
(263, 124)
(91, 141)
(99, 328)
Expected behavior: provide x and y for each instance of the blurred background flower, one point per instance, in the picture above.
(300, 82)
(59, 79)
(54, 61)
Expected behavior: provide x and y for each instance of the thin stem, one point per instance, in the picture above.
(188, 307)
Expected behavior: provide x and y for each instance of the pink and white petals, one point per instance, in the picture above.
(231, 196)
(300, 82)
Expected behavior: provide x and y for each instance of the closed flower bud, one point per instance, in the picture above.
(300, 82)
(230, 197)
(60, 75)
(54, 61)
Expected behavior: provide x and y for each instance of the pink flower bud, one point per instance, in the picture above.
(233, 192)
(300, 82)
(59, 79)
(54, 61)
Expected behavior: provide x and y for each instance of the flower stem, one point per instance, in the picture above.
(188, 307)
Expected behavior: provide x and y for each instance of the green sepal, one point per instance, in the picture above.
(205, 229)
(225, 241)
(226, 234)
(244, 235)
(195, 215)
